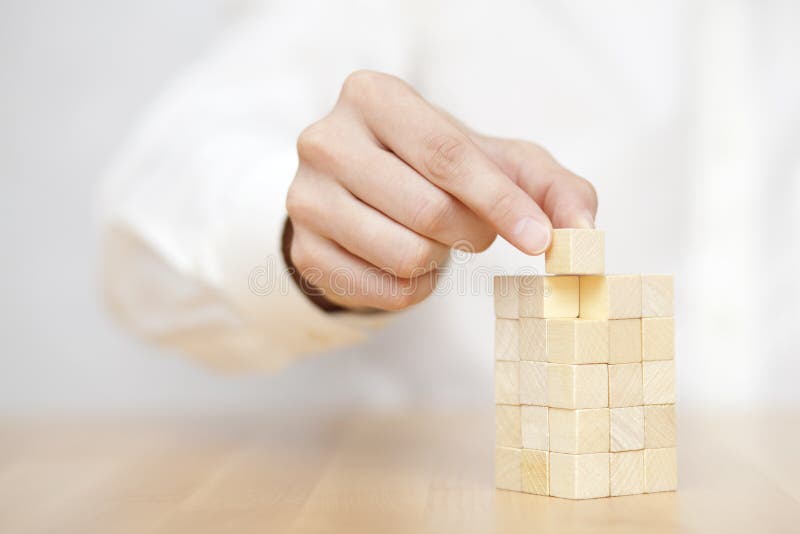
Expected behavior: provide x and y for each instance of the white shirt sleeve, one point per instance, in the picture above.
(192, 210)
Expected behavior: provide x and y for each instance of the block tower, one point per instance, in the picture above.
(584, 377)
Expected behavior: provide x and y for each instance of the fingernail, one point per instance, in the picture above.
(532, 236)
(583, 220)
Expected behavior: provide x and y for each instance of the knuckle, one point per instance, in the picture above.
(588, 188)
(299, 255)
(315, 142)
(298, 203)
(362, 84)
(502, 206)
(433, 214)
(417, 259)
(444, 156)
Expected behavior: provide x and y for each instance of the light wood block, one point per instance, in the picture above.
(577, 386)
(506, 382)
(579, 431)
(507, 426)
(535, 429)
(533, 383)
(659, 426)
(616, 296)
(579, 476)
(506, 297)
(533, 339)
(508, 468)
(627, 429)
(624, 341)
(659, 382)
(548, 296)
(627, 473)
(658, 338)
(506, 339)
(657, 295)
(660, 470)
(576, 340)
(625, 385)
(535, 476)
(576, 251)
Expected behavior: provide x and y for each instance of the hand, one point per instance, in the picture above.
(387, 183)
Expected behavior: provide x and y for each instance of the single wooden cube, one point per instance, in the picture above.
(659, 426)
(548, 296)
(533, 383)
(579, 431)
(658, 338)
(660, 470)
(506, 382)
(627, 429)
(533, 339)
(577, 386)
(579, 476)
(507, 426)
(657, 295)
(535, 429)
(627, 473)
(535, 476)
(576, 251)
(508, 468)
(624, 341)
(659, 382)
(616, 296)
(506, 298)
(506, 339)
(625, 385)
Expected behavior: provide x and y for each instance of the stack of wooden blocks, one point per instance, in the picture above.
(584, 377)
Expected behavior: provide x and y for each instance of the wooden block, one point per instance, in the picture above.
(507, 426)
(616, 296)
(625, 385)
(579, 476)
(548, 296)
(627, 429)
(576, 340)
(508, 468)
(506, 298)
(506, 339)
(657, 295)
(533, 339)
(627, 473)
(624, 341)
(535, 467)
(660, 470)
(533, 383)
(535, 430)
(577, 386)
(659, 426)
(579, 431)
(659, 382)
(576, 251)
(658, 338)
(506, 382)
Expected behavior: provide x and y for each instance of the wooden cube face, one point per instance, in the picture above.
(506, 339)
(548, 296)
(579, 431)
(506, 382)
(535, 467)
(625, 385)
(624, 341)
(658, 338)
(535, 430)
(508, 468)
(533, 339)
(627, 429)
(533, 383)
(611, 297)
(657, 295)
(659, 382)
(576, 251)
(579, 476)
(577, 386)
(659, 426)
(507, 426)
(506, 299)
(660, 470)
(576, 340)
(627, 473)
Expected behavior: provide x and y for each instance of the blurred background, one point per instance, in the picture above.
(715, 199)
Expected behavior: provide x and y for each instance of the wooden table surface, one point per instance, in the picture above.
(367, 473)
